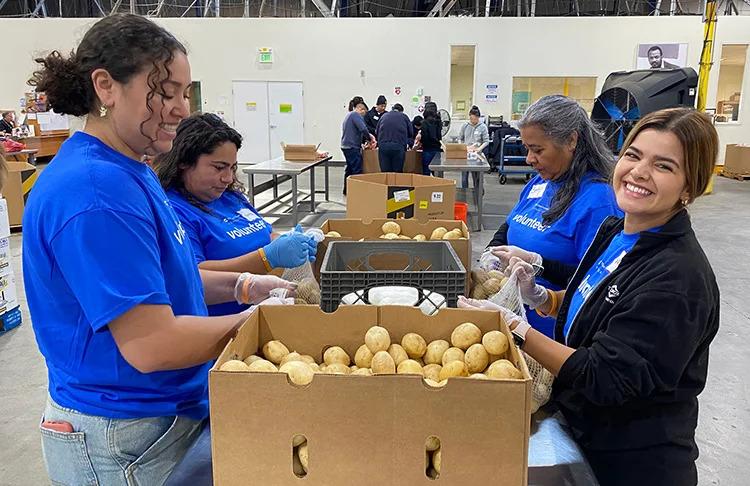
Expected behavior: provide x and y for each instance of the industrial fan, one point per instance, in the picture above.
(445, 121)
(629, 95)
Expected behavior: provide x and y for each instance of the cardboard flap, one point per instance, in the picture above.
(19, 166)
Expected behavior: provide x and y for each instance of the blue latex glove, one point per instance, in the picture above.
(291, 250)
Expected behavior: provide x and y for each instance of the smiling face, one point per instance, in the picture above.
(548, 158)
(213, 173)
(141, 131)
(649, 179)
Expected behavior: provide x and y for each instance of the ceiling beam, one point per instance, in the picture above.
(323, 8)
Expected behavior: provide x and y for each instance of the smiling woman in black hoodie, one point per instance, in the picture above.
(634, 326)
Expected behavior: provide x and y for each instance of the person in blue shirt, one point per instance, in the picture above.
(561, 208)
(227, 234)
(118, 305)
(635, 324)
(354, 131)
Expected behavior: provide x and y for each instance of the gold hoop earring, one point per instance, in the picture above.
(102, 111)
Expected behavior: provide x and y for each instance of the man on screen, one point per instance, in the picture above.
(656, 59)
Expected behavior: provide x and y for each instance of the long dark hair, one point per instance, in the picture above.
(355, 101)
(122, 44)
(197, 135)
(559, 117)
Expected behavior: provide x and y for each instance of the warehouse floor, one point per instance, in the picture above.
(722, 222)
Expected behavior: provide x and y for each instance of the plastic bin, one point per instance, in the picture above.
(460, 211)
(349, 266)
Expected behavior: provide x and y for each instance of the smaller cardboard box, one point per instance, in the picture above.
(21, 178)
(455, 151)
(412, 162)
(300, 153)
(364, 430)
(4, 219)
(400, 196)
(737, 159)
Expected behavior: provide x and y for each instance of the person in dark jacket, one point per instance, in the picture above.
(634, 326)
(394, 135)
(353, 132)
(6, 122)
(430, 137)
(376, 112)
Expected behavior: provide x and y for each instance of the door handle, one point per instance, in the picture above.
(273, 126)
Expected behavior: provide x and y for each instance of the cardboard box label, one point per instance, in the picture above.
(437, 197)
(401, 196)
(423, 204)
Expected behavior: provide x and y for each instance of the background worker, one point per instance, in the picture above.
(394, 134)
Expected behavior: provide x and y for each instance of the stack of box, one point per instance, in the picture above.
(10, 312)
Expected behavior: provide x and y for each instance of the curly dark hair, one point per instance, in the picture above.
(125, 45)
(197, 135)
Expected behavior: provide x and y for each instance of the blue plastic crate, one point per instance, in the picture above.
(10, 320)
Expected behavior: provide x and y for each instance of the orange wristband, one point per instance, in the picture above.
(246, 290)
(554, 307)
(263, 257)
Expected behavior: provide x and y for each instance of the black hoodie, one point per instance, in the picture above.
(641, 358)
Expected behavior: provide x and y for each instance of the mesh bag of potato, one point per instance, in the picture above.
(509, 297)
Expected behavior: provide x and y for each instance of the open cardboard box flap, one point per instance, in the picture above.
(364, 429)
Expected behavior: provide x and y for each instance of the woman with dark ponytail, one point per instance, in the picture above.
(559, 210)
(117, 303)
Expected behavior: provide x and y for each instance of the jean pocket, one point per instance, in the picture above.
(66, 458)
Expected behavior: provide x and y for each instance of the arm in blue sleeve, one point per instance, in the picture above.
(361, 126)
(114, 268)
(635, 354)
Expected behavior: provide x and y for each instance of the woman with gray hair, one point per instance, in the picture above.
(561, 208)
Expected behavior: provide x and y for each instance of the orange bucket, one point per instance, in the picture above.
(460, 211)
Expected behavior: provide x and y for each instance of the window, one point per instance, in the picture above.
(527, 90)
(731, 74)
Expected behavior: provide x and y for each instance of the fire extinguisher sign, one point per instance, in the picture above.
(397, 90)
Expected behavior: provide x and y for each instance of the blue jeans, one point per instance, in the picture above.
(353, 158)
(100, 450)
(427, 156)
(391, 156)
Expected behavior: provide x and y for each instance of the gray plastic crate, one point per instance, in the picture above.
(354, 265)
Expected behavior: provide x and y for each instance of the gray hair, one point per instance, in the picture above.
(559, 117)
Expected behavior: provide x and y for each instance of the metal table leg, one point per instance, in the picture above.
(326, 179)
(295, 206)
(251, 188)
(480, 198)
(312, 189)
(275, 187)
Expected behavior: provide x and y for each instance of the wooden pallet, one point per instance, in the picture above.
(733, 175)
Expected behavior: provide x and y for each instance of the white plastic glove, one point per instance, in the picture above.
(533, 294)
(251, 289)
(488, 261)
(510, 317)
(506, 252)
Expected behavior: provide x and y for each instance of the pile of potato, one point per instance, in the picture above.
(433, 457)
(486, 284)
(392, 231)
(468, 354)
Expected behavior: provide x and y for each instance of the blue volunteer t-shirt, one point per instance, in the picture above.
(567, 239)
(100, 237)
(231, 227)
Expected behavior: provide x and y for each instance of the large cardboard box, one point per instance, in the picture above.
(399, 196)
(364, 430)
(455, 151)
(412, 162)
(300, 153)
(737, 159)
(21, 178)
(371, 230)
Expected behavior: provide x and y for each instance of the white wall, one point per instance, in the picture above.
(330, 56)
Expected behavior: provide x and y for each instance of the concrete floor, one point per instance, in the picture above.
(721, 220)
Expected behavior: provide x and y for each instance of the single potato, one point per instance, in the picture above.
(409, 367)
(253, 357)
(234, 365)
(438, 233)
(363, 357)
(466, 334)
(363, 372)
(454, 368)
(333, 234)
(377, 339)
(435, 351)
(495, 342)
(398, 353)
(293, 356)
(432, 443)
(476, 358)
(391, 227)
(479, 376)
(389, 236)
(452, 354)
(335, 354)
(299, 373)
(274, 351)
(432, 371)
(414, 345)
(420, 237)
(337, 369)
(263, 365)
(383, 364)
(435, 384)
(503, 369)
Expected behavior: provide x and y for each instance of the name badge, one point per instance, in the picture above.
(537, 191)
(616, 262)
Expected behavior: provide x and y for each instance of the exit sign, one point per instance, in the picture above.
(265, 55)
